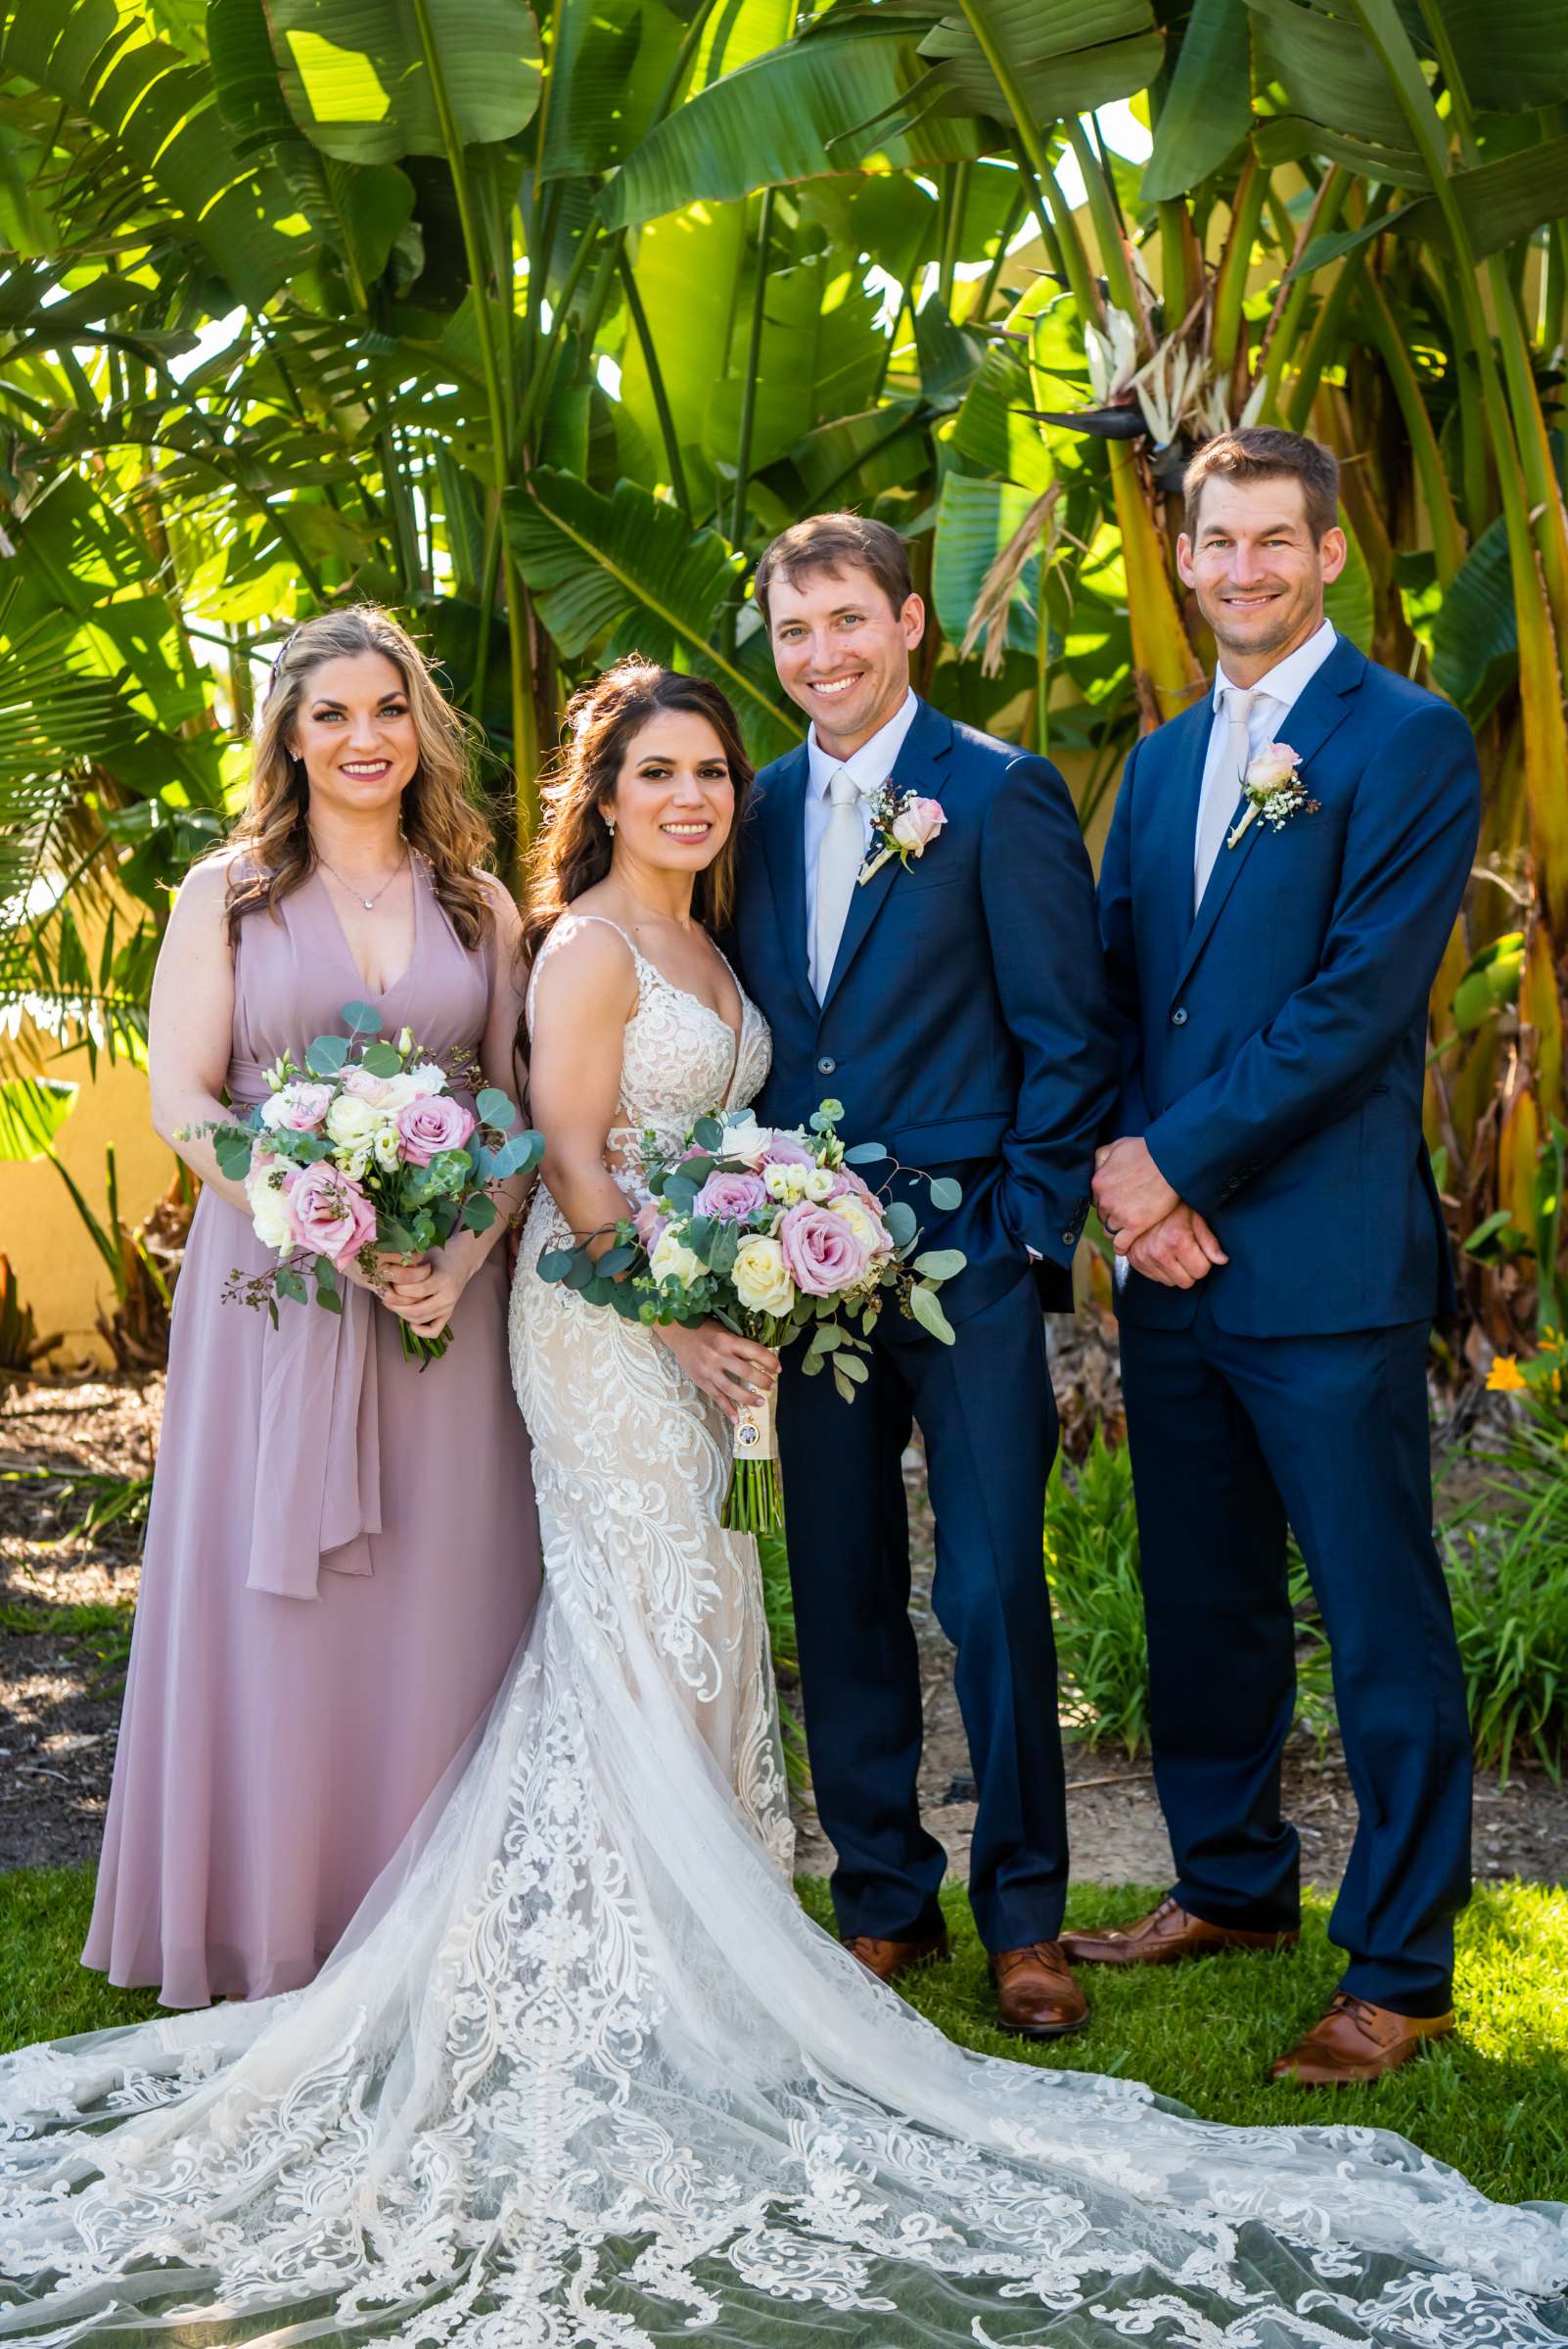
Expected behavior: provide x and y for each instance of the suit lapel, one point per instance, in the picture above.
(1321, 710)
(919, 768)
(783, 828)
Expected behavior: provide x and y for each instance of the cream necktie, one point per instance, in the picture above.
(837, 862)
(1224, 788)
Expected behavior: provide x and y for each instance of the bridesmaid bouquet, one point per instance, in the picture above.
(774, 1233)
(362, 1149)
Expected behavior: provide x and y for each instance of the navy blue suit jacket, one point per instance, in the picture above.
(965, 1023)
(1274, 1048)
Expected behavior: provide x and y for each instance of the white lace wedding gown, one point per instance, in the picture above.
(584, 2074)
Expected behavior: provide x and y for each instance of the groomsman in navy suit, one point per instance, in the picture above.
(955, 1005)
(1270, 955)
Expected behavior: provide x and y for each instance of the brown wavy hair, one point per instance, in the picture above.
(439, 818)
(573, 846)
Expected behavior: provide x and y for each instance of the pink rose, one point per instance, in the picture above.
(432, 1126)
(845, 1179)
(650, 1225)
(331, 1213)
(917, 824)
(298, 1108)
(783, 1150)
(731, 1196)
(822, 1254)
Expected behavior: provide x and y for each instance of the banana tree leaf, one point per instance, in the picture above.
(689, 273)
(949, 359)
(32, 1110)
(1063, 57)
(794, 113)
(1349, 602)
(1501, 201)
(356, 81)
(821, 356)
(975, 521)
(994, 429)
(1331, 75)
(628, 567)
(1208, 107)
(1475, 639)
(856, 458)
(1512, 54)
(610, 61)
(1323, 250)
(889, 216)
(161, 113)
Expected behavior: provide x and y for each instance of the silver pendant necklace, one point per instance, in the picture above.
(369, 904)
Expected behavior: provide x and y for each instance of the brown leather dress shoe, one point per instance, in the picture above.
(1166, 1935)
(1357, 2041)
(1035, 1993)
(888, 1960)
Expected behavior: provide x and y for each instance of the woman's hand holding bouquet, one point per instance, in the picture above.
(769, 1234)
(363, 1165)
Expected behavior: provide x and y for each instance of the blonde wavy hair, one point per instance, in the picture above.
(438, 817)
(571, 848)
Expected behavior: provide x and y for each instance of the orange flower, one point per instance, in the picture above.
(1505, 1376)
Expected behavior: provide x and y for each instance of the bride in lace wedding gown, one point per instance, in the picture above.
(583, 2073)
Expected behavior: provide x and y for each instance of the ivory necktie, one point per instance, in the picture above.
(838, 863)
(1223, 787)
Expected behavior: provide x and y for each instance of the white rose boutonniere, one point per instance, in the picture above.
(1275, 790)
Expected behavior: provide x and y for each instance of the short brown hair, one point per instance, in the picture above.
(1263, 452)
(827, 542)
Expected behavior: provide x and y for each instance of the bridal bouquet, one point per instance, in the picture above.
(771, 1231)
(365, 1148)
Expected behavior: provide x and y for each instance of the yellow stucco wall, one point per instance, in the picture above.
(59, 1271)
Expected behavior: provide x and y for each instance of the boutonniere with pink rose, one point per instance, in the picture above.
(903, 825)
(1275, 790)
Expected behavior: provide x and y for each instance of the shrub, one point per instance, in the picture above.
(1507, 1557)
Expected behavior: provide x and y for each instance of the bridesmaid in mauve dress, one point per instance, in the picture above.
(343, 1551)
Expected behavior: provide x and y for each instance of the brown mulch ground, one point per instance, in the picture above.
(59, 1709)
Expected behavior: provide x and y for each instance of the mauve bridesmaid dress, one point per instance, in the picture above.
(342, 1556)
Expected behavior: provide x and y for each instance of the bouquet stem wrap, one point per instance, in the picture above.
(755, 1503)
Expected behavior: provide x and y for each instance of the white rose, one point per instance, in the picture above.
(425, 1078)
(786, 1184)
(745, 1140)
(270, 1211)
(1274, 766)
(673, 1259)
(867, 1229)
(353, 1122)
(761, 1282)
(818, 1181)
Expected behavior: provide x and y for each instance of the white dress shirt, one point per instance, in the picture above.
(870, 766)
(1273, 697)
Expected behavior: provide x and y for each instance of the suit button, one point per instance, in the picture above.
(1178, 1018)
(1069, 1239)
(825, 1068)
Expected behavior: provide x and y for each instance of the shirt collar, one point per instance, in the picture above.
(1288, 680)
(872, 764)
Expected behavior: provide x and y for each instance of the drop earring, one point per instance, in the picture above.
(610, 825)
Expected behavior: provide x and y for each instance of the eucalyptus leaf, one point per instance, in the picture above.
(864, 1154)
(929, 1313)
(380, 1060)
(326, 1054)
(495, 1108)
(618, 1260)
(555, 1262)
(946, 1194)
(360, 1020)
(232, 1151)
(848, 1365)
(902, 1223)
(478, 1213)
(941, 1263)
(709, 1135)
(290, 1284)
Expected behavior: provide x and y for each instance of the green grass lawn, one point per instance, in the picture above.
(1493, 2100)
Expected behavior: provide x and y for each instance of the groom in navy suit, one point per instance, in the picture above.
(1270, 951)
(956, 1006)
